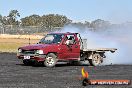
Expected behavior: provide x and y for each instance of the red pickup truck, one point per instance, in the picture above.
(56, 47)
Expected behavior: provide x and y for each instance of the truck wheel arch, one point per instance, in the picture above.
(52, 53)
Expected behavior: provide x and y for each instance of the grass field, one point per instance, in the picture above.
(11, 45)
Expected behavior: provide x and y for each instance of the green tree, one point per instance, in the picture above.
(14, 14)
(54, 20)
(12, 18)
(1, 19)
(99, 24)
(32, 20)
(77, 24)
(87, 24)
(2, 24)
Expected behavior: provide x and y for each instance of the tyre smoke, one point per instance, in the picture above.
(119, 38)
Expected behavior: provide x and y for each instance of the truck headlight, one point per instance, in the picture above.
(19, 50)
(39, 52)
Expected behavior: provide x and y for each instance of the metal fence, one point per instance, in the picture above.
(10, 29)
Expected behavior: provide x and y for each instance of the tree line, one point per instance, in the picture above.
(49, 21)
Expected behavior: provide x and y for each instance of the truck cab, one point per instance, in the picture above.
(52, 48)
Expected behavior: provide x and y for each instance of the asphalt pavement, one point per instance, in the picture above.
(14, 74)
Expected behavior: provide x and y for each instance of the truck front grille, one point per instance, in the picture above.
(28, 51)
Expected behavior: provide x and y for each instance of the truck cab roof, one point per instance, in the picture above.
(64, 33)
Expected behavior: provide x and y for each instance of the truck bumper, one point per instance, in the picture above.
(38, 58)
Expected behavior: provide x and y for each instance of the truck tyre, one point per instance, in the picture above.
(50, 60)
(96, 59)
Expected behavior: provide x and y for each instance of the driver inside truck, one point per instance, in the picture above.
(70, 40)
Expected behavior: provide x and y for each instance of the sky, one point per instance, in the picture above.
(115, 11)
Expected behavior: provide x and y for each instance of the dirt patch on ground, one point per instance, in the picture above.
(11, 45)
(7, 36)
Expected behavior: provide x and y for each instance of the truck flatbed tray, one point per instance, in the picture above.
(101, 49)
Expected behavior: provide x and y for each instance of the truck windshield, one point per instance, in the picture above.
(52, 38)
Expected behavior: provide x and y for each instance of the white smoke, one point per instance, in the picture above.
(110, 38)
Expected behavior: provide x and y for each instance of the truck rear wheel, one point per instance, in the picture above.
(50, 60)
(96, 59)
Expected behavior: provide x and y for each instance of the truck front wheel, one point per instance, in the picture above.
(96, 59)
(50, 60)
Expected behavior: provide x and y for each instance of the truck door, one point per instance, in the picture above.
(72, 50)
